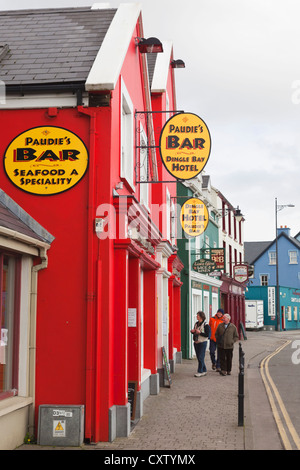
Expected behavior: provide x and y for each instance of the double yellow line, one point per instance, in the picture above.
(273, 395)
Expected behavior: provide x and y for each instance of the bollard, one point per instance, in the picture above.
(241, 387)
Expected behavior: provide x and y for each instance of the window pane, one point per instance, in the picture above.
(264, 280)
(272, 257)
(293, 257)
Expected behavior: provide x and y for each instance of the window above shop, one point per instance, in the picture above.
(293, 257)
(127, 133)
(272, 257)
(264, 280)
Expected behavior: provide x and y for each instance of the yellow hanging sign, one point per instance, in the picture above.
(185, 145)
(194, 217)
(46, 160)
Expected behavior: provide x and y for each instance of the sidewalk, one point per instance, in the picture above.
(202, 413)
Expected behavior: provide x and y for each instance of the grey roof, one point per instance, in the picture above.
(13, 217)
(253, 250)
(50, 45)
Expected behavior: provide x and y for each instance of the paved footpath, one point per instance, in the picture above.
(202, 413)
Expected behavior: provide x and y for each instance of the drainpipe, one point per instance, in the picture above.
(91, 296)
(32, 334)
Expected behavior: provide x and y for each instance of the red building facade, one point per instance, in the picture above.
(78, 156)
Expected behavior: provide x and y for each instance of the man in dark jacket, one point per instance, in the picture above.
(226, 336)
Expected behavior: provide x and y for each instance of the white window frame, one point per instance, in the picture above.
(214, 302)
(144, 168)
(167, 106)
(206, 305)
(196, 307)
(173, 223)
(293, 256)
(272, 258)
(168, 215)
(264, 282)
(196, 304)
(295, 310)
(198, 247)
(127, 137)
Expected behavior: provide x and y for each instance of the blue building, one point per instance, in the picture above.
(262, 285)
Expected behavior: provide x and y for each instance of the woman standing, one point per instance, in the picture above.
(201, 333)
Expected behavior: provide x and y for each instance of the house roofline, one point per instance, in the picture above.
(107, 65)
(282, 234)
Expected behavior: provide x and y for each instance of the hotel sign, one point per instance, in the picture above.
(185, 145)
(46, 160)
(194, 217)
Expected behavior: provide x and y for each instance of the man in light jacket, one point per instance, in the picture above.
(226, 336)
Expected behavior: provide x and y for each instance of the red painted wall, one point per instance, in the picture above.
(61, 303)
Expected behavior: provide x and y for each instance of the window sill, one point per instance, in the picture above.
(145, 374)
(9, 405)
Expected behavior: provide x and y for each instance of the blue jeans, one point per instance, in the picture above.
(212, 350)
(200, 349)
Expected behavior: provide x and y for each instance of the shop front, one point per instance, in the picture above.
(232, 300)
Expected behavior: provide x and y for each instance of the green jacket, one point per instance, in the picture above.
(226, 337)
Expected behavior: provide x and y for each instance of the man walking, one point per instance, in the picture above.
(226, 336)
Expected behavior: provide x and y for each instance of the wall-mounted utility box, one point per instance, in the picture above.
(61, 425)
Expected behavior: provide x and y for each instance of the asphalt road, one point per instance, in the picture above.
(281, 371)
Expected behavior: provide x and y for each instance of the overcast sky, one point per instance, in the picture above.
(242, 77)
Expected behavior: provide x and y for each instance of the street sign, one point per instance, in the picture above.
(204, 266)
(194, 217)
(240, 273)
(218, 255)
(185, 145)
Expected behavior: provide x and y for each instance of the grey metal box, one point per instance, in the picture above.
(61, 425)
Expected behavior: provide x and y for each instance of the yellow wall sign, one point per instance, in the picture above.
(46, 160)
(194, 217)
(185, 145)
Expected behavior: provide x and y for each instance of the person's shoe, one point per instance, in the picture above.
(222, 372)
(198, 374)
(218, 369)
(228, 373)
(213, 367)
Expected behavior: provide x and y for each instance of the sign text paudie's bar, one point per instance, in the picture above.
(185, 145)
(46, 160)
(194, 217)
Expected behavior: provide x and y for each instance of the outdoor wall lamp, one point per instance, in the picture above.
(177, 64)
(236, 212)
(148, 46)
